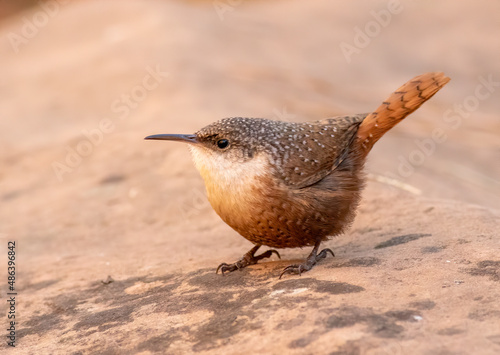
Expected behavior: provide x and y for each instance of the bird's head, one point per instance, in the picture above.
(230, 148)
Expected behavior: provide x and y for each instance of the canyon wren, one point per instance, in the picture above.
(291, 184)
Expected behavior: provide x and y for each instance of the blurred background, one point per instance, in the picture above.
(83, 82)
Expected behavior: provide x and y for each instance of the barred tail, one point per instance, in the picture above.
(400, 104)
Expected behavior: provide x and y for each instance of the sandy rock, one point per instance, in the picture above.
(117, 253)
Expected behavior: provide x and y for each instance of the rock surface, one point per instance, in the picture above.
(117, 247)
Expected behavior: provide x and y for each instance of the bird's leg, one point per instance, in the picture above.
(247, 259)
(311, 260)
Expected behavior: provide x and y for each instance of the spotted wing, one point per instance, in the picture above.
(318, 148)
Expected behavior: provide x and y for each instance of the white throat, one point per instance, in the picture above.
(228, 174)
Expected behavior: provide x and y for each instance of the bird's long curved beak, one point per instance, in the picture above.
(188, 138)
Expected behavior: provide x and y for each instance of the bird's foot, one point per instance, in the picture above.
(248, 259)
(311, 260)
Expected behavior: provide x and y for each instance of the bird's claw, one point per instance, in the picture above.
(322, 254)
(311, 260)
(225, 267)
(248, 259)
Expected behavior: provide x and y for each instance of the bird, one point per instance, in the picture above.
(294, 184)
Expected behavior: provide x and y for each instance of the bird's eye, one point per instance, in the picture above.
(222, 143)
